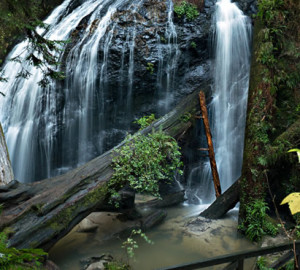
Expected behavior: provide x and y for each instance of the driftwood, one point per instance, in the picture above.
(40, 213)
(224, 203)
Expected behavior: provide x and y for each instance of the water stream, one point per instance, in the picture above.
(231, 69)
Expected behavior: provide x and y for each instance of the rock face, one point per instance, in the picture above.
(125, 59)
(6, 172)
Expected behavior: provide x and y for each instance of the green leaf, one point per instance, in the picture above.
(297, 151)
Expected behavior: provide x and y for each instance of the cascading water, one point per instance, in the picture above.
(228, 107)
(52, 130)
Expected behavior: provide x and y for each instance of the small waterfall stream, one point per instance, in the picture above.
(231, 41)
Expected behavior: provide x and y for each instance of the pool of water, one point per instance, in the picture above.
(179, 239)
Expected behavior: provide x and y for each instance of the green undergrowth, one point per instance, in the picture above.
(19, 259)
(115, 265)
(274, 96)
(145, 160)
(187, 10)
(257, 223)
(145, 121)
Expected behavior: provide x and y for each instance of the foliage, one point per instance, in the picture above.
(193, 45)
(145, 160)
(297, 151)
(186, 117)
(22, 19)
(289, 266)
(114, 265)
(186, 9)
(293, 201)
(256, 224)
(145, 121)
(261, 264)
(12, 258)
(150, 68)
(273, 97)
(130, 244)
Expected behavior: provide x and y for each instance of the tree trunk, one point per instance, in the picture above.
(41, 213)
(223, 203)
(6, 172)
(211, 152)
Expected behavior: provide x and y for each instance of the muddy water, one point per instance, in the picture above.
(182, 238)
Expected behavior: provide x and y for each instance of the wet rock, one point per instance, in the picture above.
(107, 224)
(96, 263)
(153, 219)
(49, 265)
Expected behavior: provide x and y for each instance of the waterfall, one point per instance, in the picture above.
(229, 104)
(169, 54)
(49, 131)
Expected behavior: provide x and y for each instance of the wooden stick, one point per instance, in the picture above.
(210, 145)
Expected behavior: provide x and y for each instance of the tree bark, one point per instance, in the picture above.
(6, 171)
(211, 152)
(40, 213)
(223, 203)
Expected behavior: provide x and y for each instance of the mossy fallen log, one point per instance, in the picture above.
(40, 213)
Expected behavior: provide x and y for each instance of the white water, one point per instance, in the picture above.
(52, 130)
(230, 93)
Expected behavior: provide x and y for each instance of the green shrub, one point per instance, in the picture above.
(261, 264)
(256, 224)
(145, 121)
(145, 160)
(186, 9)
(12, 258)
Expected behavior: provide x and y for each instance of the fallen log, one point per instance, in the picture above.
(40, 213)
(223, 203)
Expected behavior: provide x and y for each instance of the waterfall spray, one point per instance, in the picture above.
(230, 93)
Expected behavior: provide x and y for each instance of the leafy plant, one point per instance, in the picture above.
(150, 68)
(293, 201)
(186, 9)
(256, 224)
(131, 244)
(12, 258)
(193, 45)
(145, 160)
(145, 121)
(297, 151)
(261, 264)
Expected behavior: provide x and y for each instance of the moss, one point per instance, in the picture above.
(274, 86)
(91, 200)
